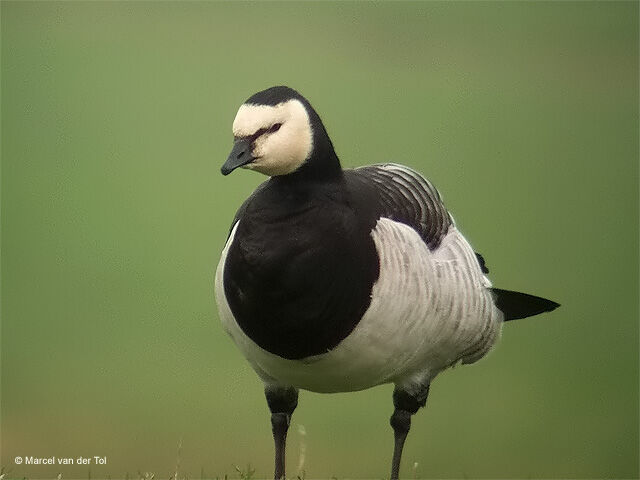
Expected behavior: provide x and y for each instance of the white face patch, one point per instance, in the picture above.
(282, 151)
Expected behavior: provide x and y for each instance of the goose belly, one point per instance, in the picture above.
(428, 310)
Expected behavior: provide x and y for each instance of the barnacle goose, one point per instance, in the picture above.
(337, 280)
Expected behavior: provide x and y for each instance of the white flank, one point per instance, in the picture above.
(428, 311)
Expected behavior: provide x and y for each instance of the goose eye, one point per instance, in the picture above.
(275, 127)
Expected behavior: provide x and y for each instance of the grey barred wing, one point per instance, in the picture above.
(406, 196)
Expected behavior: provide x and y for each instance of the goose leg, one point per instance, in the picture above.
(282, 402)
(406, 404)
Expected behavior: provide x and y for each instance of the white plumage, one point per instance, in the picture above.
(398, 338)
(337, 280)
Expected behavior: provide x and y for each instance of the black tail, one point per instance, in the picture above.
(516, 305)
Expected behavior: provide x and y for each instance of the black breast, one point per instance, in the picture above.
(299, 273)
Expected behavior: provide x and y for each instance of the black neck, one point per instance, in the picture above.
(323, 164)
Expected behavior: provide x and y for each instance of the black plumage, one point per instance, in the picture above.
(405, 196)
(292, 242)
(516, 305)
(272, 281)
(302, 270)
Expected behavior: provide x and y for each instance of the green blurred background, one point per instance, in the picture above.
(116, 118)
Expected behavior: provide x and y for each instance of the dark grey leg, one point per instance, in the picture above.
(406, 404)
(282, 402)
